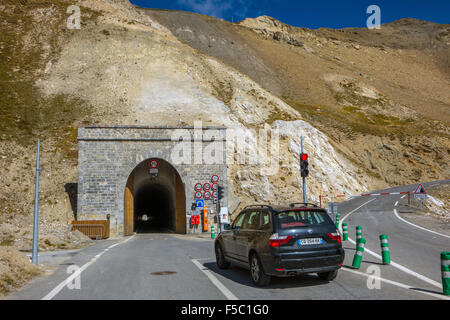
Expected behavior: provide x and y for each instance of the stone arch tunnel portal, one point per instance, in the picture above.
(155, 199)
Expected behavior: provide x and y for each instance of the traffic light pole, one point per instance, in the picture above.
(304, 180)
(218, 211)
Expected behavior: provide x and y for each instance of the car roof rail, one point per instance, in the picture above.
(304, 204)
(258, 206)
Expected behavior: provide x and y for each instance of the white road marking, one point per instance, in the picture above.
(398, 284)
(77, 273)
(227, 293)
(396, 204)
(403, 197)
(394, 264)
(398, 216)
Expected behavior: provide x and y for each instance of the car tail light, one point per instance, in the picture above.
(275, 240)
(335, 236)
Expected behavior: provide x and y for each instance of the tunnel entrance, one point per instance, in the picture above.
(155, 203)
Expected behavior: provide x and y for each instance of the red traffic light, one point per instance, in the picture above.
(304, 156)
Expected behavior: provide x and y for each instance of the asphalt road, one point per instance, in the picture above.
(175, 267)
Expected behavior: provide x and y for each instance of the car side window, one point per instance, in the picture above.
(237, 224)
(251, 221)
(264, 220)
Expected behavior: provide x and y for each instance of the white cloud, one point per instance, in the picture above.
(217, 8)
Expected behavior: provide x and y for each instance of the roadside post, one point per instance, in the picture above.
(420, 194)
(304, 170)
(358, 254)
(338, 217)
(36, 209)
(358, 234)
(345, 231)
(213, 235)
(445, 267)
(385, 249)
(333, 210)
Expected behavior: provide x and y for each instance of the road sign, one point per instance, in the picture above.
(215, 186)
(206, 187)
(198, 187)
(198, 195)
(215, 178)
(420, 192)
(224, 217)
(154, 164)
(200, 203)
(207, 195)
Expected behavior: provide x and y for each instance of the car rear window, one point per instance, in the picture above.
(302, 218)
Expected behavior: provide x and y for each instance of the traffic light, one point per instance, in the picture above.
(220, 193)
(304, 165)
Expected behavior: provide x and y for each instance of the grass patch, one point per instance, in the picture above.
(351, 120)
(24, 113)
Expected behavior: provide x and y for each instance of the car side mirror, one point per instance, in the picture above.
(227, 227)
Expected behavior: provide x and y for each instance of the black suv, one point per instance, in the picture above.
(281, 241)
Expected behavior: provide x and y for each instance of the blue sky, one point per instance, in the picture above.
(312, 13)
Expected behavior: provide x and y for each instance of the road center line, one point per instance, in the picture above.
(227, 293)
(414, 225)
(394, 264)
(398, 284)
(77, 273)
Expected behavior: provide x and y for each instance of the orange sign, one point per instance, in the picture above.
(205, 219)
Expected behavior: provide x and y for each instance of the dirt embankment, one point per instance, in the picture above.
(380, 96)
(438, 203)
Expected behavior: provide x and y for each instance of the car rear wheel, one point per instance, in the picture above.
(220, 258)
(258, 276)
(328, 276)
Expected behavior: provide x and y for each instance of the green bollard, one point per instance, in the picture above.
(338, 217)
(385, 249)
(358, 254)
(345, 231)
(213, 235)
(358, 234)
(445, 267)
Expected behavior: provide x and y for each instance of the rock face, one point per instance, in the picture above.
(372, 115)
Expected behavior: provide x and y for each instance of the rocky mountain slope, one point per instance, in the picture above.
(373, 105)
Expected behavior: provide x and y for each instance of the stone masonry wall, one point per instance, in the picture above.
(108, 155)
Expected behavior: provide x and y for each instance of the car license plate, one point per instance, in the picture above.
(311, 241)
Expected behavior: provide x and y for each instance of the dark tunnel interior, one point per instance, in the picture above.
(154, 209)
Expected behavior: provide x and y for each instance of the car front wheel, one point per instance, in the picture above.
(258, 276)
